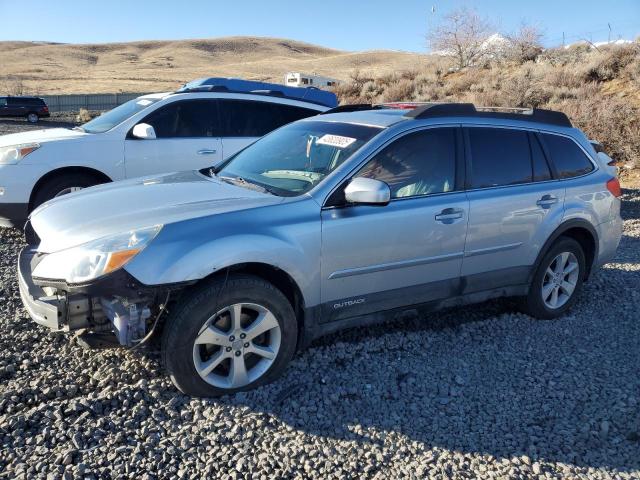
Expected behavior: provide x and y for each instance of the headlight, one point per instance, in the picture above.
(15, 153)
(94, 259)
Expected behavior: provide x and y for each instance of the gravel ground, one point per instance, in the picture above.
(467, 393)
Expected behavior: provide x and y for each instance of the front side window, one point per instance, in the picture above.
(297, 157)
(115, 117)
(499, 157)
(186, 119)
(420, 163)
(567, 157)
(3, 102)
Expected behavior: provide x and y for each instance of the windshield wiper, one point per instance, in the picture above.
(241, 182)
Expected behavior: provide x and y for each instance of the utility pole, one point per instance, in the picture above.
(609, 37)
(562, 39)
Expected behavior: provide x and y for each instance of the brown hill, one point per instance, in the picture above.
(149, 66)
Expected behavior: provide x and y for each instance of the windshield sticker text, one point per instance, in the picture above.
(335, 141)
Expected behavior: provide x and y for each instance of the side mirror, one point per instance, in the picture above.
(367, 191)
(144, 131)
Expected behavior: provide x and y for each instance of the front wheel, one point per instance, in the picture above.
(229, 336)
(557, 281)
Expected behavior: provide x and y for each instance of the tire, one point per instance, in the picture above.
(209, 302)
(58, 185)
(33, 118)
(549, 277)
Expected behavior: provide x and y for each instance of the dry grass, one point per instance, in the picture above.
(154, 66)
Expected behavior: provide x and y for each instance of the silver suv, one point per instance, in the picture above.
(330, 222)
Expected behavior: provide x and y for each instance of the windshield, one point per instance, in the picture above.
(114, 117)
(295, 158)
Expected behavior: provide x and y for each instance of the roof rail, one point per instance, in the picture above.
(434, 110)
(235, 85)
(356, 107)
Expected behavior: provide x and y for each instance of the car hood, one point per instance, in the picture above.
(114, 208)
(40, 136)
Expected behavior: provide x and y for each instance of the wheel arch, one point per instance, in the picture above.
(58, 172)
(280, 278)
(581, 231)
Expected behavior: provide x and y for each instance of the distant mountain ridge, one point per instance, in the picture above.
(158, 65)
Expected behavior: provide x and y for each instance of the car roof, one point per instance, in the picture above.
(256, 97)
(376, 118)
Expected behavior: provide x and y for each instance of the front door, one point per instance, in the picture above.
(408, 252)
(187, 138)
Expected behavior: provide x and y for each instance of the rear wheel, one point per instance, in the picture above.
(229, 336)
(557, 281)
(33, 118)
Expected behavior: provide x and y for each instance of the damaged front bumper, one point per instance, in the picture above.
(116, 302)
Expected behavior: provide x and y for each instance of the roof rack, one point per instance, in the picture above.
(434, 110)
(236, 85)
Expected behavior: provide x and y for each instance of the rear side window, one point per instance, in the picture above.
(499, 157)
(567, 156)
(417, 164)
(243, 118)
(185, 119)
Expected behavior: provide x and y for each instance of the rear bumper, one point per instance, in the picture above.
(45, 310)
(13, 214)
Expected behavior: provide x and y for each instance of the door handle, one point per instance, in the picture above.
(207, 152)
(449, 215)
(546, 201)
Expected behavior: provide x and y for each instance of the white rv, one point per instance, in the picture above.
(297, 79)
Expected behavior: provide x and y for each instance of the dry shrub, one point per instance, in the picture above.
(13, 86)
(609, 119)
(401, 90)
(83, 116)
(609, 63)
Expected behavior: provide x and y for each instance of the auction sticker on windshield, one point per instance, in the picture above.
(335, 141)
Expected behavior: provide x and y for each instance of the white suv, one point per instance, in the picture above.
(203, 123)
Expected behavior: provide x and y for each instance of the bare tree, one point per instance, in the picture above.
(462, 35)
(524, 45)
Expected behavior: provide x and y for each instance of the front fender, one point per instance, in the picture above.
(179, 254)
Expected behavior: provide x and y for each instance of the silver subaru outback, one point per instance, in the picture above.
(331, 222)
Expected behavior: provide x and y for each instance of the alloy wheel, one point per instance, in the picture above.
(560, 280)
(237, 345)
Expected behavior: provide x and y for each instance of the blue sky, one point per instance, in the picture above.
(342, 24)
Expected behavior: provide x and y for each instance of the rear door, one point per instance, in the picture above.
(187, 138)
(408, 252)
(514, 205)
(242, 122)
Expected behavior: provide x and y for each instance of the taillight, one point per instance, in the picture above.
(45, 109)
(613, 186)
